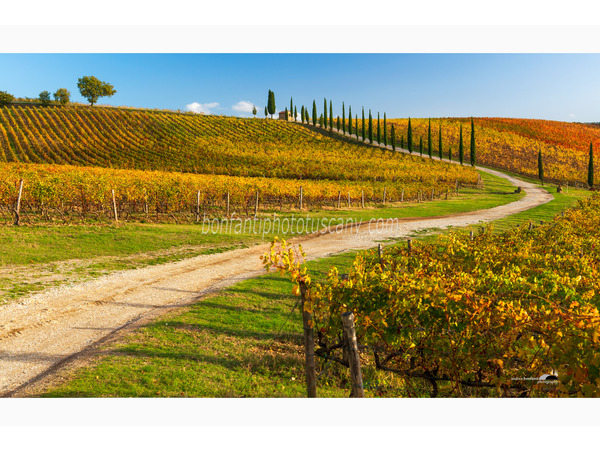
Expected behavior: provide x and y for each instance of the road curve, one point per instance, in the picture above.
(42, 333)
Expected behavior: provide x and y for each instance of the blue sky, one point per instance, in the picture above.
(543, 86)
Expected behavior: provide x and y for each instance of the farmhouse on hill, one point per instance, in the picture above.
(286, 115)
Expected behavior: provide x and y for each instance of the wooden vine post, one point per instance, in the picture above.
(301, 197)
(362, 199)
(256, 206)
(115, 206)
(402, 198)
(339, 199)
(18, 205)
(309, 346)
(351, 347)
(227, 203)
(384, 192)
(198, 206)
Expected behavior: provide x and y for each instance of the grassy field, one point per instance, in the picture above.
(245, 341)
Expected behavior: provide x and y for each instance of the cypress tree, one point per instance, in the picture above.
(449, 153)
(331, 116)
(356, 125)
(266, 112)
(402, 141)
(343, 118)
(409, 137)
(291, 105)
(384, 130)
(271, 103)
(378, 131)
(302, 113)
(461, 149)
(295, 113)
(591, 168)
(321, 121)
(314, 114)
(363, 124)
(421, 145)
(350, 120)
(338, 123)
(540, 167)
(429, 140)
(325, 112)
(370, 128)
(393, 137)
(440, 143)
(286, 113)
(472, 142)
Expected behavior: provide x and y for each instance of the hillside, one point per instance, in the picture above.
(150, 140)
(71, 159)
(513, 144)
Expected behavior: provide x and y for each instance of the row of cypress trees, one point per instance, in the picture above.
(367, 130)
(328, 121)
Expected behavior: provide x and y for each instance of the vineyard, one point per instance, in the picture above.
(144, 140)
(480, 315)
(67, 193)
(165, 166)
(509, 144)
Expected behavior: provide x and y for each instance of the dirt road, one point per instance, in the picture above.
(40, 333)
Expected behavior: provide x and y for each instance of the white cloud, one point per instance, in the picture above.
(243, 107)
(202, 108)
(572, 116)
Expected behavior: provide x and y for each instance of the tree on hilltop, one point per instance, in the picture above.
(440, 143)
(314, 113)
(91, 88)
(409, 137)
(350, 121)
(370, 128)
(363, 123)
(429, 140)
(378, 130)
(271, 103)
(393, 137)
(45, 98)
(331, 115)
(385, 139)
(591, 167)
(540, 167)
(344, 118)
(254, 111)
(325, 112)
(266, 112)
(472, 142)
(295, 113)
(63, 96)
(5, 98)
(461, 149)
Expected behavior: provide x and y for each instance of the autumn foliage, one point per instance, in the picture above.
(485, 317)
